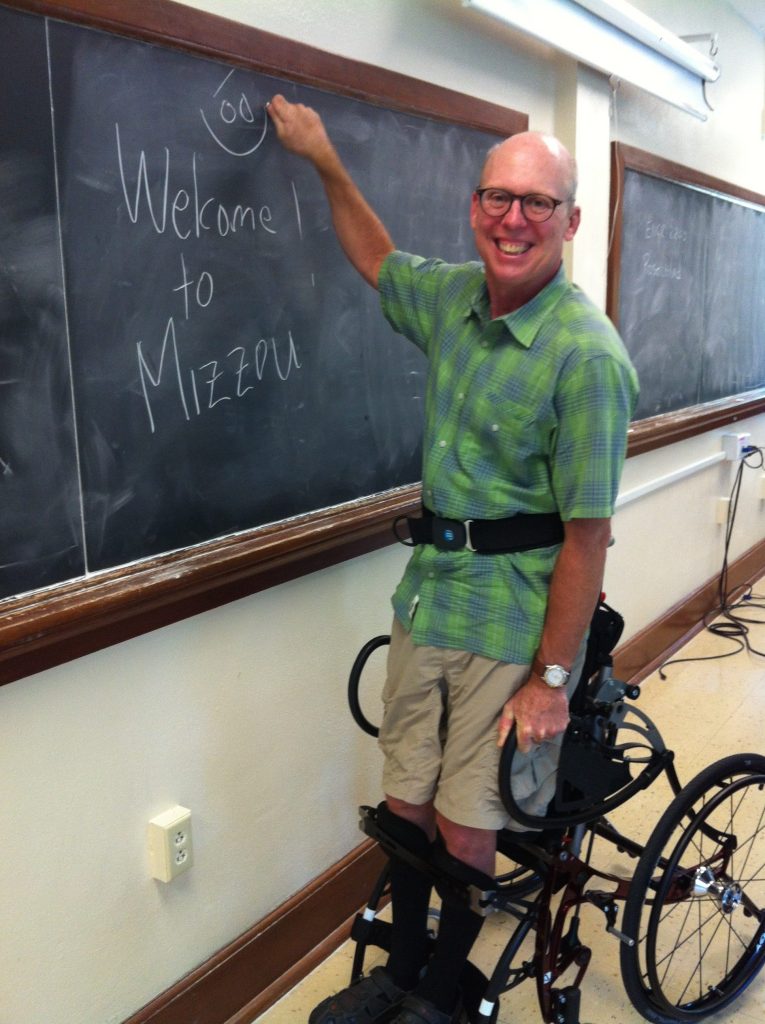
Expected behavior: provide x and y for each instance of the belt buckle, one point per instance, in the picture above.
(452, 535)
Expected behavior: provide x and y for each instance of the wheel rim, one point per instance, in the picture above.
(704, 938)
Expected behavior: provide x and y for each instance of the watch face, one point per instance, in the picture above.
(555, 675)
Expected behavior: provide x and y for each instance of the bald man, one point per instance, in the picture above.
(528, 399)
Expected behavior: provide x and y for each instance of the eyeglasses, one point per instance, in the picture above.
(496, 202)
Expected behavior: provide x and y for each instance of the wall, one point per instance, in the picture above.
(240, 713)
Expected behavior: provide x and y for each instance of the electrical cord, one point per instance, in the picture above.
(734, 627)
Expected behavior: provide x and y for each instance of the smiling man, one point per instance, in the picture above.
(529, 396)
(520, 234)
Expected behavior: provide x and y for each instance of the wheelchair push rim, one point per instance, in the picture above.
(696, 907)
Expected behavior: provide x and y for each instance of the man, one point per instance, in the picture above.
(529, 395)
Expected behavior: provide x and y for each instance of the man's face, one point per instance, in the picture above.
(522, 256)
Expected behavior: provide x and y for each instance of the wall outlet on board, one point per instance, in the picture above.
(721, 512)
(170, 849)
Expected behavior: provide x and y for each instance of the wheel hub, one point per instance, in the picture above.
(727, 894)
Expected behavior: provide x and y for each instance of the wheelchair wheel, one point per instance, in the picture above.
(696, 905)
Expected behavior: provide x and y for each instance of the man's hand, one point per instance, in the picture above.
(300, 130)
(538, 712)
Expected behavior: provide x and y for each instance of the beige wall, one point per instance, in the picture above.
(240, 713)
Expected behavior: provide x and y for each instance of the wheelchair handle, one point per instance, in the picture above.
(353, 683)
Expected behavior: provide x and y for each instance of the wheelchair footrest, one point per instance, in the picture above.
(371, 932)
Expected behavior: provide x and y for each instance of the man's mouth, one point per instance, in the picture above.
(513, 248)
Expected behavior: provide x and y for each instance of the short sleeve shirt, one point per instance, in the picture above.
(527, 413)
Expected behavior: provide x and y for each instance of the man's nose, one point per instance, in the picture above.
(515, 215)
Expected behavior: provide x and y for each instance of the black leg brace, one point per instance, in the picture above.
(410, 896)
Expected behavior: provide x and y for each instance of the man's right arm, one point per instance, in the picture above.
(359, 230)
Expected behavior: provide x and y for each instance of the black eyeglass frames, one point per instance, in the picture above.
(534, 206)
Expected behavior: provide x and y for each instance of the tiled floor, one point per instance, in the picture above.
(704, 710)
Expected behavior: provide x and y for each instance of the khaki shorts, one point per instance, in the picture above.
(439, 734)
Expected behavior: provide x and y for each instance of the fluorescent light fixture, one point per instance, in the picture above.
(632, 22)
(616, 38)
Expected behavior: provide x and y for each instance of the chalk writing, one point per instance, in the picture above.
(238, 371)
(667, 232)
(237, 113)
(185, 209)
(653, 269)
(299, 220)
(190, 211)
(203, 290)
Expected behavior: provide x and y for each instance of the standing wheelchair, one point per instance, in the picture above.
(692, 931)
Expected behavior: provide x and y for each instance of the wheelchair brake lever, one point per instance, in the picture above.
(604, 901)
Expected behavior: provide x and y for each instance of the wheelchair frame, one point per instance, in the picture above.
(697, 896)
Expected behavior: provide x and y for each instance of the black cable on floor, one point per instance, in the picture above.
(735, 627)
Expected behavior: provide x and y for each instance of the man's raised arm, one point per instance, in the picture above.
(359, 230)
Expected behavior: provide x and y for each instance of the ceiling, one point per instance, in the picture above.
(752, 11)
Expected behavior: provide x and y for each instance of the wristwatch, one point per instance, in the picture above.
(554, 675)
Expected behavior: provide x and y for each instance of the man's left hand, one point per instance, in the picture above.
(538, 712)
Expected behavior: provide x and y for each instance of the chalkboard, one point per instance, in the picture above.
(40, 532)
(184, 352)
(691, 302)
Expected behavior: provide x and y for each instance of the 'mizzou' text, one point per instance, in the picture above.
(189, 213)
(201, 388)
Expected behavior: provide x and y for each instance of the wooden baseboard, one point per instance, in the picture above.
(648, 649)
(244, 979)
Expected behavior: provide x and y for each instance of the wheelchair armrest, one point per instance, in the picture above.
(601, 748)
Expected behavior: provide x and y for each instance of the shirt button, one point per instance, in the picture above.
(461, 396)
(431, 575)
(495, 427)
(442, 444)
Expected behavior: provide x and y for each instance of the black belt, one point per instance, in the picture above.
(521, 532)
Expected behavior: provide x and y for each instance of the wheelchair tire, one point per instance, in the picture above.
(696, 904)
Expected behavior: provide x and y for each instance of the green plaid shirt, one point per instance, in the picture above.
(525, 413)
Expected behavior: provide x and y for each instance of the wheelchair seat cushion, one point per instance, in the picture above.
(367, 1000)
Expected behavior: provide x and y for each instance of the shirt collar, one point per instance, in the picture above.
(522, 323)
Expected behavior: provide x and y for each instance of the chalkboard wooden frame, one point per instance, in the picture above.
(657, 431)
(50, 627)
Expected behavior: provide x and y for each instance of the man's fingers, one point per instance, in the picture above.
(506, 720)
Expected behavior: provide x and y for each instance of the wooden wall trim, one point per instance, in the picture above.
(244, 979)
(651, 647)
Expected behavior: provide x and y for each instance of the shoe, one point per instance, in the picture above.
(415, 1010)
(367, 1000)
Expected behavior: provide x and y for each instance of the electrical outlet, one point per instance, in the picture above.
(734, 445)
(170, 849)
(721, 513)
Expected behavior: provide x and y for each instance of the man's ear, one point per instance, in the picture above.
(475, 206)
(573, 223)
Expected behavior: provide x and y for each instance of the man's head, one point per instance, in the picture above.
(522, 255)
